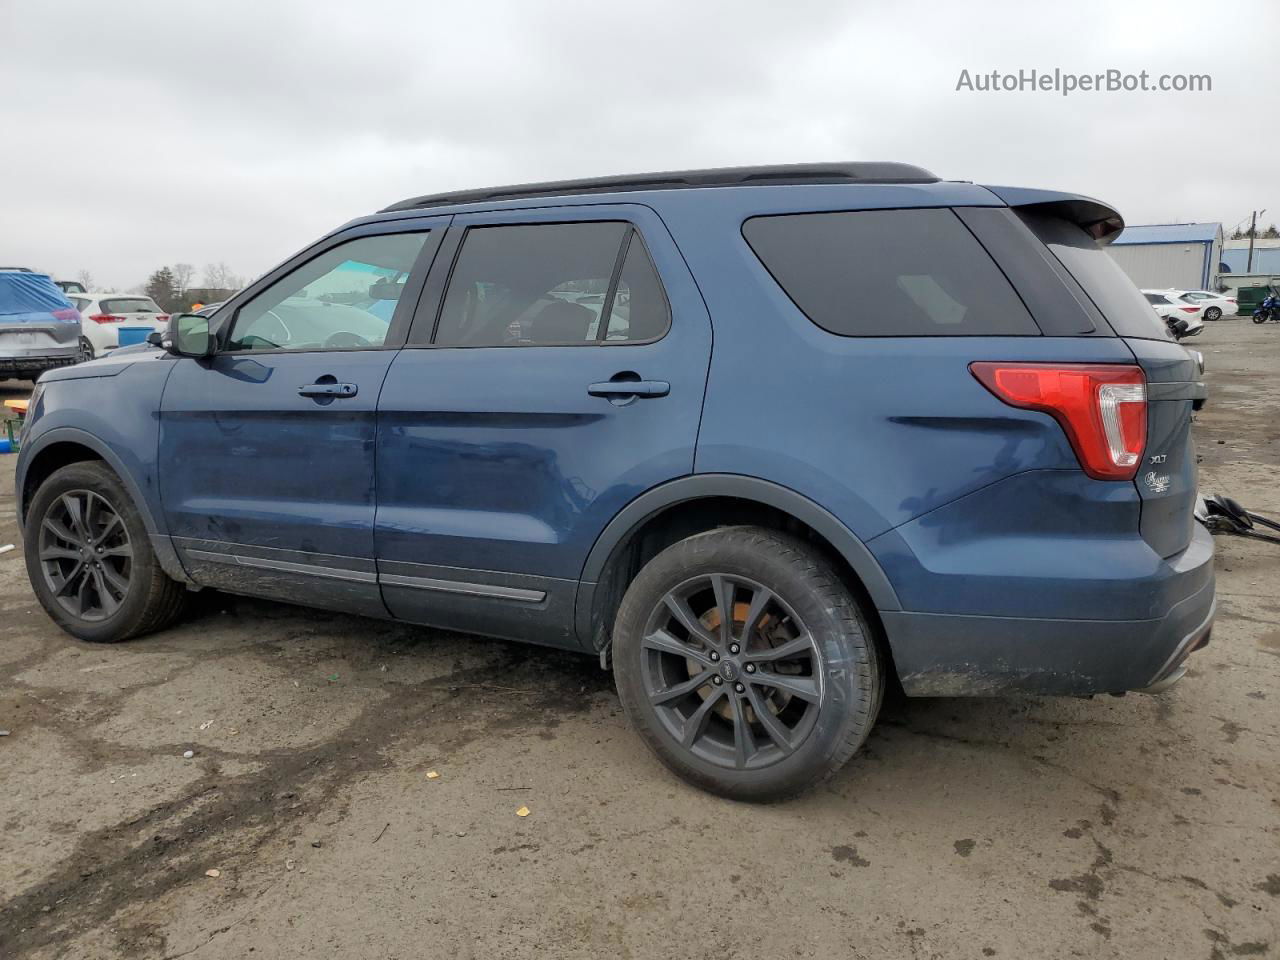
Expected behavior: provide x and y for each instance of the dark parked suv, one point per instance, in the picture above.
(756, 438)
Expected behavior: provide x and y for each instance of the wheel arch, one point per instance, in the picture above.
(681, 508)
(63, 446)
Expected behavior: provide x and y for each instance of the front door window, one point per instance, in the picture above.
(344, 299)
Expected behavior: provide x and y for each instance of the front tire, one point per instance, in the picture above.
(745, 663)
(90, 560)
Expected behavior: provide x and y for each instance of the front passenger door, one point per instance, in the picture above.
(267, 448)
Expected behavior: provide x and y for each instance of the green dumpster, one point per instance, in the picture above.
(1248, 298)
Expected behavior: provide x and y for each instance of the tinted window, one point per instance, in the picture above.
(640, 309)
(343, 299)
(130, 305)
(1109, 287)
(79, 303)
(889, 273)
(544, 284)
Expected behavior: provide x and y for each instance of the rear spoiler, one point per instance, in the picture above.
(1094, 217)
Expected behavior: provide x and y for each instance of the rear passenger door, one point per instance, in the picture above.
(555, 370)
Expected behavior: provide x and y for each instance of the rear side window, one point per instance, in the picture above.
(130, 305)
(552, 284)
(1112, 292)
(79, 303)
(889, 273)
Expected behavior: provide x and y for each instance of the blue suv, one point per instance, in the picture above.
(757, 438)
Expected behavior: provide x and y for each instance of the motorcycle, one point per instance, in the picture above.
(1268, 310)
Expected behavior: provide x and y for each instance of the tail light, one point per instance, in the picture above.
(1189, 309)
(66, 314)
(1101, 407)
(1231, 299)
(162, 318)
(106, 318)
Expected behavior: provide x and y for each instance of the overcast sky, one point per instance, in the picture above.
(136, 134)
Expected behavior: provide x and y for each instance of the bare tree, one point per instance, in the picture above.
(183, 274)
(218, 276)
(85, 278)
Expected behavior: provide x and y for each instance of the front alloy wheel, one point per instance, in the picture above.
(85, 555)
(90, 561)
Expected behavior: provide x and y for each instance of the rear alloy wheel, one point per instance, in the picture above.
(1213, 313)
(90, 560)
(86, 351)
(746, 664)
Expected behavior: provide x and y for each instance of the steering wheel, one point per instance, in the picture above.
(344, 340)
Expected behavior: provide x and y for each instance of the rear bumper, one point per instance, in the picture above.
(940, 654)
(12, 361)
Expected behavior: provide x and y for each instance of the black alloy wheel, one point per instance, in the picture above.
(732, 673)
(85, 555)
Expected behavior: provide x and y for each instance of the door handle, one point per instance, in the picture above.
(629, 388)
(329, 390)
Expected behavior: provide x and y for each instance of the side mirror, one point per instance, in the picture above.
(188, 336)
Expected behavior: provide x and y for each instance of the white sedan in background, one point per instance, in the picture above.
(1214, 306)
(1167, 305)
(103, 314)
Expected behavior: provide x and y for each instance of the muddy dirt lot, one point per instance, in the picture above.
(1133, 827)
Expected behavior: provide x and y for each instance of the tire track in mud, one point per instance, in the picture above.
(228, 819)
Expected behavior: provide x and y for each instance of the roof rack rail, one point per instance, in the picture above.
(791, 173)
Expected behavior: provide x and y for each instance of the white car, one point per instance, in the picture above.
(1213, 305)
(105, 313)
(1167, 305)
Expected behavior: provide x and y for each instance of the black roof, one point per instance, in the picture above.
(791, 173)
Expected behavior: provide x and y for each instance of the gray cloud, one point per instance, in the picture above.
(146, 133)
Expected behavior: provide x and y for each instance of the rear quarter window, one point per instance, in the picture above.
(1124, 306)
(889, 273)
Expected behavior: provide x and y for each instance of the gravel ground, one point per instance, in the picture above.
(1112, 827)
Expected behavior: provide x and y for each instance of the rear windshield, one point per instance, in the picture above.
(1112, 292)
(130, 305)
(889, 273)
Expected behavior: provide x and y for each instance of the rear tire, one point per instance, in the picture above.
(86, 350)
(793, 622)
(90, 561)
